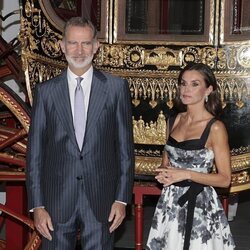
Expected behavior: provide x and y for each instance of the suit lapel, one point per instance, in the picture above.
(97, 101)
(63, 106)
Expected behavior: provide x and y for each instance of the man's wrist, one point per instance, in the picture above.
(32, 210)
(124, 203)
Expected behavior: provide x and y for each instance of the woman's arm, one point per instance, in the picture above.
(165, 160)
(220, 147)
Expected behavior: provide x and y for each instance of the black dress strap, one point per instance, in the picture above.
(206, 131)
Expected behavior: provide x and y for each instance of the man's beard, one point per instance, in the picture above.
(84, 62)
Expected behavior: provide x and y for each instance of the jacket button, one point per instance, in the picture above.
(81, 157)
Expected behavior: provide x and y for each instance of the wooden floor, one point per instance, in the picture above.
(240, 226)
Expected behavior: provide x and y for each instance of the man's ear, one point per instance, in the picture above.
(62, 45)
(96, 46)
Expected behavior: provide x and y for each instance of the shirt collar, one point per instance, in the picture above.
(85, 76)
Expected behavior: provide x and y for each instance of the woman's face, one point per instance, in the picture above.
(193, 88)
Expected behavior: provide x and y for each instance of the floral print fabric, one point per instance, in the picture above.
(210, 229)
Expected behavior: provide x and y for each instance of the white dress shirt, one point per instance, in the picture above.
(86, 87)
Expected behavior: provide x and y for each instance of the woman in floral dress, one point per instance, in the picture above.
(189, 214)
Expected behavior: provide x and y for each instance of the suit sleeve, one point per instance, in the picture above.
(36, 144)
(125, 145)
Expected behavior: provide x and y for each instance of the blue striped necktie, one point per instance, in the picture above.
(79, 113)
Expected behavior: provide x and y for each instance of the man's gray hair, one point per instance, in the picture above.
(80, 22)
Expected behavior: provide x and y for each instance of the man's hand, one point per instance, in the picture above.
(43, 222)
(117, 214)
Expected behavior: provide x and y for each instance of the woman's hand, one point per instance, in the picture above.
(170, 175)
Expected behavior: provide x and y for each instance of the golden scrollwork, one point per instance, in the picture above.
(50, 44)
(134, 57)
(165, 88)
(222, 59)
(230, 57)
(109, 55)
(137, 56)
(233, 84)
(36, 33)
(38, 68)
(152, 132)
(162, 57)
(233, 89)
(153, 89)
(240, 179)
(240, 162)
(41, 55)
(189, 54)
(243, 56)
(26, 38)
(208, 56)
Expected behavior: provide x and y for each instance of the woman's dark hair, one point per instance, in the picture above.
(213, 104)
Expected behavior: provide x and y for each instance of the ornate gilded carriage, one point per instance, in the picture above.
(147, 42)
(149, 52)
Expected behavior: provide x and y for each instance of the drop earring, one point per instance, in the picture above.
(206, 99)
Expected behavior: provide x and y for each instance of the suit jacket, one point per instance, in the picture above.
(104, 166)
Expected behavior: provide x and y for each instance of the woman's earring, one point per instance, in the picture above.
(206, 99)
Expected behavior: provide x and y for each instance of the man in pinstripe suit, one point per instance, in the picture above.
(86, 187)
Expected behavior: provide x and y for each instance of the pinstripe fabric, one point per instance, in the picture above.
(105, 164)
(97, 237)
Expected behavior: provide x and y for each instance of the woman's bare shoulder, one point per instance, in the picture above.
(218, 125)
(218, 129)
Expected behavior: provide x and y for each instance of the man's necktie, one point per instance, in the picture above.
(79, 113)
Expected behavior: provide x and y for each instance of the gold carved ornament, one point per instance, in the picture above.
(41, 55)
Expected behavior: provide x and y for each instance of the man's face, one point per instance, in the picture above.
(79, 47)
